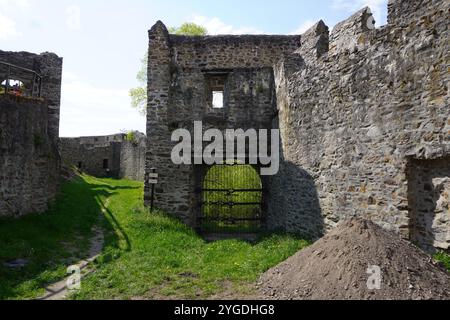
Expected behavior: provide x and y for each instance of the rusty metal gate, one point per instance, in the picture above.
(231, 200)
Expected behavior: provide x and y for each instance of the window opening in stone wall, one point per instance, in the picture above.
(106, 164)
(216, 85)
(80, 165)
(217, 99)
(15, 87)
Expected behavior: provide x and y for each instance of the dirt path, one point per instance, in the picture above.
(59, 290)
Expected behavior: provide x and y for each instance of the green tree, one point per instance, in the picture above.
(139, 94)
(189, 29)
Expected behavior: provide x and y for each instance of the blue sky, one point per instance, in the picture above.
(102, 42)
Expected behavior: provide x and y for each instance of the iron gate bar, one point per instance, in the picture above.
(231, 200)
(233, 190)
(232, 204)
(230, 219)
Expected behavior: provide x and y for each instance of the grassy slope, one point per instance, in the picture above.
(51, 241)
(144, 256)
(153, 256)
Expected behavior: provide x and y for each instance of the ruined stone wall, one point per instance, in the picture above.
(178, 72)
(90, 157)
(132, 158)
(49, 66)
(429, 202)
(29, 160)
(29, 136)
(125, 159)
(355, 111)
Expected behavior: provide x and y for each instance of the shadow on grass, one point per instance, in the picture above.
(51, 241)
(115, 188)
(116, 228)
(253, 239)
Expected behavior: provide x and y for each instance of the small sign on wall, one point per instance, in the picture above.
(152, 178)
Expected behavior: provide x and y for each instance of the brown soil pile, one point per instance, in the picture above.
(336, 268)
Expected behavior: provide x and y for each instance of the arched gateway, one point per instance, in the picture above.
(225, 82)
(232, 198)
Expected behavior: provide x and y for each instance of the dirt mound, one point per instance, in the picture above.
(337, 266)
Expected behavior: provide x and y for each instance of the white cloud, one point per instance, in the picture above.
(14, 4)
(378, 7)
(73, 14)
(304, 27)
(8, 26)
(87, 110)
(216, 26)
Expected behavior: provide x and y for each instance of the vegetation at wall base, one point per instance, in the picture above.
(48, 243)
(443, 258)
(145, 256)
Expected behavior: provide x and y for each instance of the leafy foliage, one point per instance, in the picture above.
(139, 99)
(444, 258)
(189, 29)
(139, 94)
(131, 136)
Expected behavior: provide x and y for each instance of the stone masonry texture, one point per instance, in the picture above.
(29, 137)
(180, 72)
(107, 156)
(363, 112)
(355, 118)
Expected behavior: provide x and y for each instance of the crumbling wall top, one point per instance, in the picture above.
(350, 33)
(28, 60)
(403, 11)
(219, 51)
(234, 39)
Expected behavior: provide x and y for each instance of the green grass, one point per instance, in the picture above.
(51, 241)
(157, 256)
(145, 255)
(444, 258)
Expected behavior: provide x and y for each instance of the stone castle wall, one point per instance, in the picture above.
(429, 198)
(106, 156)
(356, 114)
(132, 159)
(90, 157)
(178, 89)
(29, 160)
(356, 107)
(49, 67)
(29, 135)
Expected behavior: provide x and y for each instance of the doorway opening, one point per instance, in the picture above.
(232, 197)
